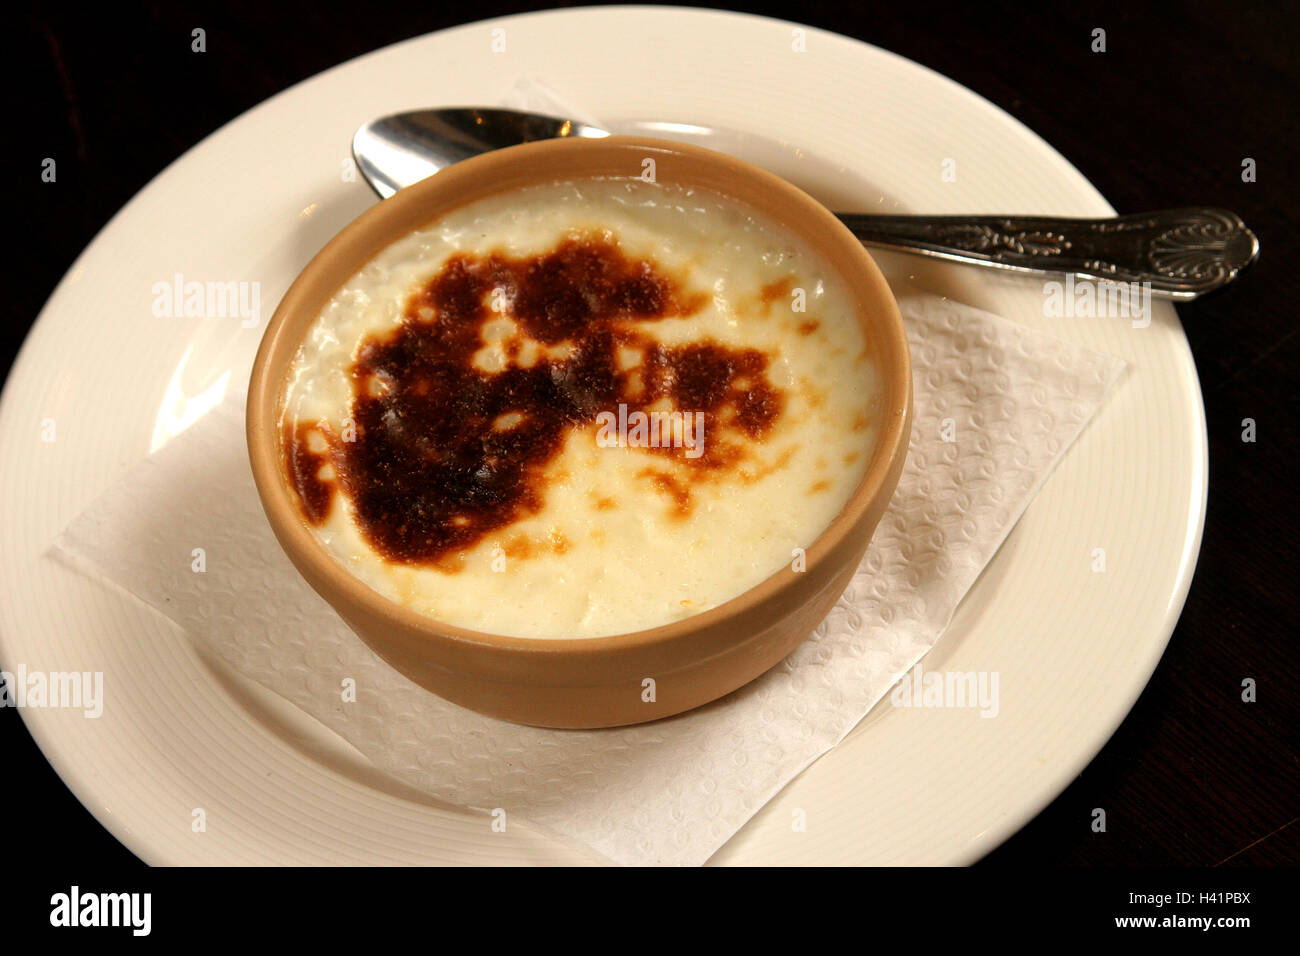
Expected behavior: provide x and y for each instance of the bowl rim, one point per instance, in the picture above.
(485, 175)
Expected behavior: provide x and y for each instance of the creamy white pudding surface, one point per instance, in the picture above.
(580, 409)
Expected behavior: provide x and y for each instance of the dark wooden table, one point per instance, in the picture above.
(1165, 117)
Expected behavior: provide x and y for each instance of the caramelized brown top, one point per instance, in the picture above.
(445, 452)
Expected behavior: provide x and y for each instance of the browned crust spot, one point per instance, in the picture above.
(775, 290)
(782, 460)
(303, 467)
(677, 491)
(814, 396)
(521, 547)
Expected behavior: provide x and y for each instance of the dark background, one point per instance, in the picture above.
(1163, 118)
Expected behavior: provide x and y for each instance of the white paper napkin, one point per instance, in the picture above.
(670, 792)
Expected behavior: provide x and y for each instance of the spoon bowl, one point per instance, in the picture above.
(397, 151)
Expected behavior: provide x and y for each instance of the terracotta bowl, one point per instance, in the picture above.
(589, 682)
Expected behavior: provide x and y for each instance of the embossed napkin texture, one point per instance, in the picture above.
(670, 792)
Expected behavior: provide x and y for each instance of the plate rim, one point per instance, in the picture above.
(44, 732)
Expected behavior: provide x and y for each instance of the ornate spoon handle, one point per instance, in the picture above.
(1183, 253)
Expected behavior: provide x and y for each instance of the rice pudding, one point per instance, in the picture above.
(579, 409)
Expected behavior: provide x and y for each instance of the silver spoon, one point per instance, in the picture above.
(1182, 253)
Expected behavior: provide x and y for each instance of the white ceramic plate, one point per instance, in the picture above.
(854, 125)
